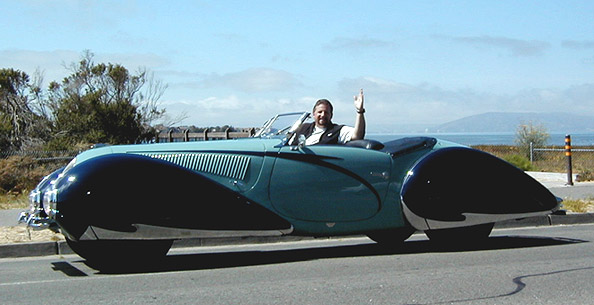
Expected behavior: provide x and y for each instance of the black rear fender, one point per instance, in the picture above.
(460, 186)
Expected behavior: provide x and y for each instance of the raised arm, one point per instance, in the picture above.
(359, 132)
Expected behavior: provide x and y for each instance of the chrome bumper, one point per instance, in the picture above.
(37, 222)
(36, 218)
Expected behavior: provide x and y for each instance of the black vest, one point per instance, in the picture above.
(330, 135)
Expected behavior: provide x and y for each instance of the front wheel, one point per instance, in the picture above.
(120, 252)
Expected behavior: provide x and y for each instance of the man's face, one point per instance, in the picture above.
(322, 115)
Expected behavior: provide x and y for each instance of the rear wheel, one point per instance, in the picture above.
(120, 252)
(462, 235)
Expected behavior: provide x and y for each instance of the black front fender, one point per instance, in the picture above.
(117, 191)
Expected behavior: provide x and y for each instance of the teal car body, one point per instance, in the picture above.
(151, 194)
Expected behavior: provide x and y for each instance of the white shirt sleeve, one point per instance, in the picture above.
(346, 134)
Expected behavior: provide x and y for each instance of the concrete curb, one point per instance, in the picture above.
(62, 248)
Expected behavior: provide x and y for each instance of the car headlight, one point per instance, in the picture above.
(49, 202)
(35, 201)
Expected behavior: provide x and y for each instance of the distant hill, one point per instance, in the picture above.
(509, 122)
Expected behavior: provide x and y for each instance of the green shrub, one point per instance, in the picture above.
(531, 134)
(520, 162)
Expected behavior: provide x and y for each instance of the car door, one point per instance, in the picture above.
(329, 183)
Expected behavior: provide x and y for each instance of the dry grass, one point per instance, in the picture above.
(579, 206)
(14, 201)
(18, 173)
(549, 161)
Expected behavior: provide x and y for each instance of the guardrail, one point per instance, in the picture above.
(163, 137)
(206, 135)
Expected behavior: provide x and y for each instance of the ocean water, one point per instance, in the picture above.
(578, 139)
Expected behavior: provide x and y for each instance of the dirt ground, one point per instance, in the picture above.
(22, 234)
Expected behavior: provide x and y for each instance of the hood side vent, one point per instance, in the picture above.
(231, 166)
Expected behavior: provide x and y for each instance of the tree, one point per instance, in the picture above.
(530, 134)
(104, 103)
(23, 113)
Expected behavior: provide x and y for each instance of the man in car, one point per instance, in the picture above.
(324, 131)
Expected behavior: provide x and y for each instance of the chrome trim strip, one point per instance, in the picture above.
(416, 221)
(155, 232)
(89, 234)
(471, 219)
(476, 219)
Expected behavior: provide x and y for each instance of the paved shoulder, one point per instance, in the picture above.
(10, 217)
(580, 190)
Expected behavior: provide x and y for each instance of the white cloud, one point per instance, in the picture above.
(254, 80)
(517, 47)
(578, 99)
(234, 110)
(50, 63)
(578, 44)
(55, 64)
(389, 102)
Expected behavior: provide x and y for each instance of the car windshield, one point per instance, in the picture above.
(281, 125)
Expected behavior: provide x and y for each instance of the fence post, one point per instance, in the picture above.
(531, 152)
(568, 155)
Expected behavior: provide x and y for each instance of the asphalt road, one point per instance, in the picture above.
(544, 265)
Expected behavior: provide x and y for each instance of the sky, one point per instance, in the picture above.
(240, 62)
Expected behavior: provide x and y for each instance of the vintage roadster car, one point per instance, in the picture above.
(133, 201)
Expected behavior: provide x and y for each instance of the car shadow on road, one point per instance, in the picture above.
(232, 259)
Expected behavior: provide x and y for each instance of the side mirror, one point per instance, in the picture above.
(300, 143)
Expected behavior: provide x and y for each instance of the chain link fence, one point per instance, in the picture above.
(580, 160)
(547, 159)
(42, 155)
(20, 171)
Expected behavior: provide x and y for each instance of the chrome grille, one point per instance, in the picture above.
(232, 166)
